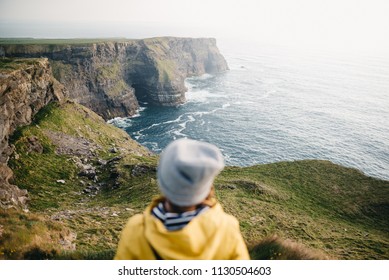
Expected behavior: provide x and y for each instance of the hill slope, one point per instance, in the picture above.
(85, 178)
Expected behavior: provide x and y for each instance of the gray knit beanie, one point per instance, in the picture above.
(186, 171)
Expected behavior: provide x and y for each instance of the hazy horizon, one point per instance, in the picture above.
(346, 25)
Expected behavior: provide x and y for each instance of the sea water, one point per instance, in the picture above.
(279, 104)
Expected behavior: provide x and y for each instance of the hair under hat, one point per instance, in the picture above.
(187, 169)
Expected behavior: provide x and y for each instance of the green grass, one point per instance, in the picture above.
(12, 64)
(320, 204)
(167, 70)
(118, 88)
(109, 71)
(25, 233)
(61, 70)
(332, 211)
(159, 46)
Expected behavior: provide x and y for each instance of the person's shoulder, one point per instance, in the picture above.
(227, 219)
(134, 222)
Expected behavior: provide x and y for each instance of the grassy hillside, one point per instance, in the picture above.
(86, 178)
(317, 203)
(11, 64)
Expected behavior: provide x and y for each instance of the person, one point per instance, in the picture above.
(186, 222)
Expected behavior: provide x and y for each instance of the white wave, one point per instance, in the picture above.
(178, 132)
(205, 76)
(200, 96)
(149, 127)
(174, 121)
(154, 146)
(189, 85)
(244, 102)
(136, 115)
(161, 123)
(120, 122)
(202, 77)
(140, 109)
(224, 106)
(190, 82)
(111, 121)
(182, 126)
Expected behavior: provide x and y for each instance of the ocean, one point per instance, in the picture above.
(281, 104)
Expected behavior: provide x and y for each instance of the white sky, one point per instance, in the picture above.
(354, 24)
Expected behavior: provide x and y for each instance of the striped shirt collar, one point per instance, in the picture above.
(176, 221)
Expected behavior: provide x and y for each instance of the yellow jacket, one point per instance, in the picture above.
(211, 235)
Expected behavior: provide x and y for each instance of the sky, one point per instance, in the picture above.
(332, 24)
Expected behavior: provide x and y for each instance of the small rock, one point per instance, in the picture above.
(67, 241)
(55, 217)
(102, 162)
(87, 167)
(129, 209)
(34, 145)
(93, 188)
(87, 171)
(113, 150)
(232, 187)
(138, 170)
(116, 185)
(61, 181)
(114, 214)
(114, 159)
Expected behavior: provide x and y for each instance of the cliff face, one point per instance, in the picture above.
(170, 61)
(26, 86)
(110, 77)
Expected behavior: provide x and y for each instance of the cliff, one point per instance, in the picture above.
(111, 77)
(26, 86)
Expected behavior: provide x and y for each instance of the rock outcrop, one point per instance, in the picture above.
(26, 86)
(110, 77)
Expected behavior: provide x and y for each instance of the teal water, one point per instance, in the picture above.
(277, 105)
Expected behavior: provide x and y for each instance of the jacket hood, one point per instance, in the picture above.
(199, 239)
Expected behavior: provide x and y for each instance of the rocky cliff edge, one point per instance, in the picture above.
(26, 86)
(111, 77)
